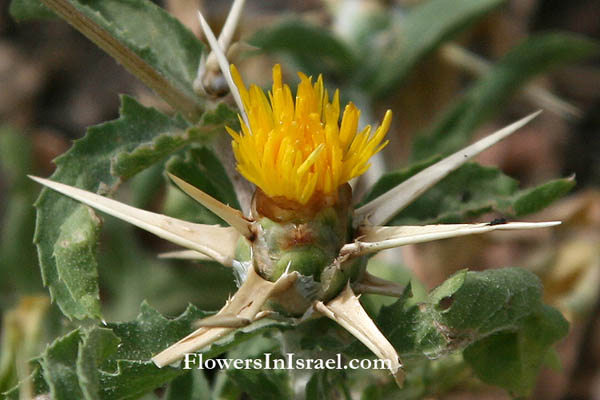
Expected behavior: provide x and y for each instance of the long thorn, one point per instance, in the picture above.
(372, 284)
(230, 215)
(245, 304)
(230, 25)
(383, 208)
(346, 310)
(210, 63)
(379, 238)
(183, 255)
(224, 64)
(216, 242)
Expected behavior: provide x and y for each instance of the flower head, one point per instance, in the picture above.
(296, 150)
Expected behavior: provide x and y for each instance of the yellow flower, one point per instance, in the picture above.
(297, 150)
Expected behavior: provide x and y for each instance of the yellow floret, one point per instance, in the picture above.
(298, 149)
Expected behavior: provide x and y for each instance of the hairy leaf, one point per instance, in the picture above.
(58, 365)
(149, 334)
(259, 383)
(467, 308)
(113, 362)
(512, 359)
(535, 55)
(67, 232)
(414, 35)
(468, 192)
(34, 384)
(144, 38)
(127, 164)
(97, 345)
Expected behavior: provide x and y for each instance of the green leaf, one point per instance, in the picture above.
(206, 285)
(535, 55)
(224, 388)
(415, 35)
(66, 231)
(536, 199)
(35, 384)
(262, 383)
(202, 169)
(130, 373)
(28, 9)
(190, 386)
(98, 344)
(466, 308)
(75, 258)
(58, 362)
(113, 362)
(146, 40)
(128, 163)
(497, 315)
(512, 360)
(151, 333)
(468, 192)
(327, 384)
(314, 48)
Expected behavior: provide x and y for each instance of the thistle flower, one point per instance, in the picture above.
(307, 246)
(297, 151)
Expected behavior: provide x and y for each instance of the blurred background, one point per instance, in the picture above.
(54, 83)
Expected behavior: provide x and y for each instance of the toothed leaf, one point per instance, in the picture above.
(66, 231)
(96, 346)
(477, 310)
(129, 163)
(512, 359)
(113, 362)
(34, 381)
(146, 336)
(58, 366)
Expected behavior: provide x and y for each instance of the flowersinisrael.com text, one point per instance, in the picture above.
(289, 361)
